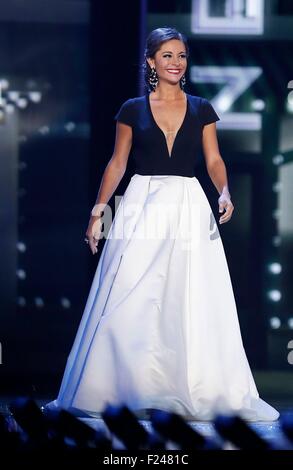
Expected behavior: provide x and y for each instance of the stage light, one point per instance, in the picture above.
(290, 323)
(21, 301)
(70, 126)
(13, 95)
(44, 130)
(274, 295)
(21, 274)
(22, 103)
(174, 428)
(21, 247)
(65, 302)
(9, 108)
(125, 425)
(35, 96)
(4, 84)
(276, 240)
(237, 431)
(275, 323)
(39, 302)
(278, 159)
(258, 105)
(275, 268)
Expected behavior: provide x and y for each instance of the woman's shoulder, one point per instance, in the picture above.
(200, 103)
(130, 105)
(134, 100)
(129, 109)
(205, 109)
(197, 99)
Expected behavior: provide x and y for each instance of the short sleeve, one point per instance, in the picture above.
(207, 113)
(125, 113)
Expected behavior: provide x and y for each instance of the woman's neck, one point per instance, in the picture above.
(168, 93)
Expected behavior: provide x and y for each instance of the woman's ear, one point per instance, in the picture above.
(150, 63)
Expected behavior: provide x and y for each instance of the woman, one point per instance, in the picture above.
(160, 327)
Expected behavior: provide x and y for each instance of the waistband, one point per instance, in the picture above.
(188, 178)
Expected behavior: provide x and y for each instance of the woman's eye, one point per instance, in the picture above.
(183, 56)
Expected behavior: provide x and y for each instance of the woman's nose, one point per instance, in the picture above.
(176, 61)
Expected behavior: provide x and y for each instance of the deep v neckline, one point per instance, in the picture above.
(161, 131)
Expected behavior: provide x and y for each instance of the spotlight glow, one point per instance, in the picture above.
(65, 302)
(21, 301)
(22, 103)
(274, 295)
(275, 268)
(278, 159)
(21, 247)
(258, 105)
(39, 302)
(35, 96)
(276, 240)
(21, 274)
(275, 322)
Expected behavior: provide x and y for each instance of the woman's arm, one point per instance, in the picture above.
(116, 167)
(112, 176)
(217, 170)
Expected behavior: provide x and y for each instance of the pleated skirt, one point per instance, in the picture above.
(160, 326)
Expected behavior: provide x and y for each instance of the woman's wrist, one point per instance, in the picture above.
(98, 210)
(225, 192)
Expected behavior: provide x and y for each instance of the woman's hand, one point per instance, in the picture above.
(93, 233)
(225, 203)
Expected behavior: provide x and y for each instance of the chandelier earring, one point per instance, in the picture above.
(153, 78)
(182, 81)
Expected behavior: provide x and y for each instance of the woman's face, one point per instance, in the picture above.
(170, 61)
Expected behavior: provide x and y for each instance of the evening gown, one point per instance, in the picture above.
(160, 326)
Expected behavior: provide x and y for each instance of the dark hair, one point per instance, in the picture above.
(154, 42)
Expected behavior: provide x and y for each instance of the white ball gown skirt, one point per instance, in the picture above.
(160, 326)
